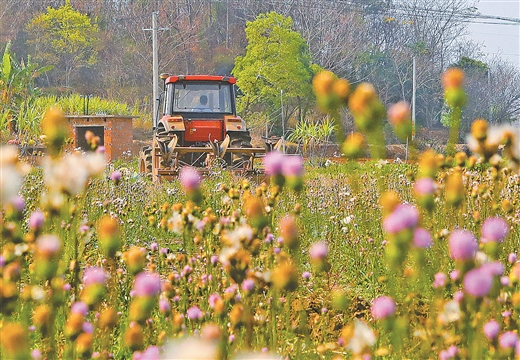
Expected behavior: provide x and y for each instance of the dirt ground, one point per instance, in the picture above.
(425, 138)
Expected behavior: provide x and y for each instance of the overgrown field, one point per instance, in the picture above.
(360, 261)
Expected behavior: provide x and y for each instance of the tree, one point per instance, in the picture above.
(64, 38)
(276, 63)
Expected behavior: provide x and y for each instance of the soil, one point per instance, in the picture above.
(425, 138)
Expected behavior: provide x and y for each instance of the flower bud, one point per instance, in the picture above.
(109, 235)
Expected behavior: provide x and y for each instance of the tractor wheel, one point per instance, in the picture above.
(145, 160)
(239, 139)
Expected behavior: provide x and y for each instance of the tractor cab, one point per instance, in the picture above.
(202, 94)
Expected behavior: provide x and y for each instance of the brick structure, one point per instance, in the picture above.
(115, 132)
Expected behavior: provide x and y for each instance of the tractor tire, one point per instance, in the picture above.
(239, 139)
(145, 160)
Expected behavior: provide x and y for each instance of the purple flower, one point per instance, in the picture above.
(151, 353)
(463, 245)
(504, 280)
(439, 280)
(48, 245)
(422, 238)
(403, 217)
(36, 354)
(292, 165)
(190, 178)
(478, 282)
(154, 246)
(164, 305)
(79, 307)
(88, 327)
(36, 220)
(454, 274)
(273, 163)
(306, 275)
(94, 275)
(425, 186)
(383, 307)
(508, 340)
(194, 313)
(491, 329)
(147, 284)
(248, 285)
(495, 268)
(494, 229)
(116, 176)
(511, 258)
(319, 251)
(212, 300)
(18, 203)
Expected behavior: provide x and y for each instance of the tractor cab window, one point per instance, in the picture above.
(202, 97)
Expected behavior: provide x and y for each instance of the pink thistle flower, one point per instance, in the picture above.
(508, 340)
(48, 245)
(458, 296)
(439, 280)
(190, 178)
(273, 163)
(425, 186)
(248, 285)
(152, 352)
(147, 284)
(36, 354)
(292, 165)
(116, 176)
(463, 245)
(194, 313)
(504, 280)
(36, 220)
(403, 217)
(454, 274)
(94, 275)
(154, 246)
(422, 238)
(383, 307)
(494, 229)
(164, 305)
(306, 275)
(88, 327)
(511, 258)
(495, 268)
(79, 307)
(491, 329)
(212, 300)
(478, 282)
(319, 251)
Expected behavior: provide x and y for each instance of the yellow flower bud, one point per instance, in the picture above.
(479, 129)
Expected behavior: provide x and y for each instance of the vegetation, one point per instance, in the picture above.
(353, 260)
(370, 41)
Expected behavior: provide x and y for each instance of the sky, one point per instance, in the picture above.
(499, 38)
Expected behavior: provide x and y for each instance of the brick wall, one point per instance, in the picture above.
(118, 132)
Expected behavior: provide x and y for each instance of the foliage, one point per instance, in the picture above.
(64, 37)
(276, 63)
(17, 89)
(313, 135)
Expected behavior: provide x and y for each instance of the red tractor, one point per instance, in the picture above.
(197, 126)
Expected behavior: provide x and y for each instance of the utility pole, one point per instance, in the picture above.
(155, 60)
(283, 122)
(413, 100)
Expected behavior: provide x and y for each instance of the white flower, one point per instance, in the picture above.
(11, 173)
(192, 348)
(362, 338)
(175, 223)
(451, 312)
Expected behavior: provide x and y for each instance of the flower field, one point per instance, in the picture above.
(373, 260)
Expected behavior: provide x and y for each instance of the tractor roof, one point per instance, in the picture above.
(176, 78)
